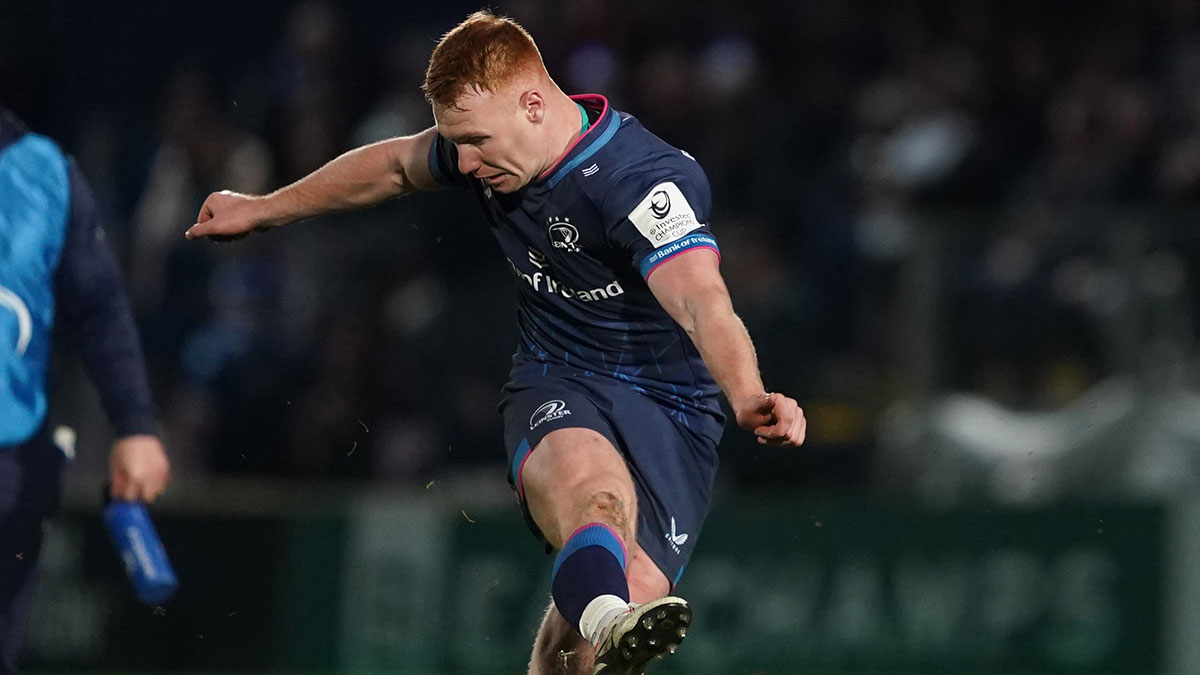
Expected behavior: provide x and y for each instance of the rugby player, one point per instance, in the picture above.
(627, 335)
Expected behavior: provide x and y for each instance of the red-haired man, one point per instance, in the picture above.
(627, 333)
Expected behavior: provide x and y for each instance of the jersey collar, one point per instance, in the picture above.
(596, 136)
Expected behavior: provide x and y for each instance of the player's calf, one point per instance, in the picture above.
(559, 649)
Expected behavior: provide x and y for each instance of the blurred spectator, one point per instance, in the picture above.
(197, 146)
(308, 88)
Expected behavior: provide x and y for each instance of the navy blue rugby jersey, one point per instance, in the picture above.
(582, 238)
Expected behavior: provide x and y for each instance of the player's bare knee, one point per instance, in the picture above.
(605, 503)
(605, 506)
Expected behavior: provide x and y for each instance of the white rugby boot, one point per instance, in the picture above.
(644, 633)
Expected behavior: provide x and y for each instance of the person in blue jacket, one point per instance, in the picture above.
(55, 267)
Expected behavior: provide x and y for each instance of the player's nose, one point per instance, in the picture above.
(468, 163)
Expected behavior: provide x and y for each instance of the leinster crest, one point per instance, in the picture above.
(563, 234)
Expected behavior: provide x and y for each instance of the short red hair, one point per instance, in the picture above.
(485, 51)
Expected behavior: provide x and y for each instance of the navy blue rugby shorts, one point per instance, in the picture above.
(672, 460)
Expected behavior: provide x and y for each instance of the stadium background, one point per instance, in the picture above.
(964, 235)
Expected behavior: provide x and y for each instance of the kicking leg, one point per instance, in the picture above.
(653, 628)
(559, 649)
(578, 491)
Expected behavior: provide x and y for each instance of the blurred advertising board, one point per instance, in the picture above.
(401, 585)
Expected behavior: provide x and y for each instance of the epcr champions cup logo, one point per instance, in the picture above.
(660, 204)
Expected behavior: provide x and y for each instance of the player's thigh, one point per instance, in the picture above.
(575, 476)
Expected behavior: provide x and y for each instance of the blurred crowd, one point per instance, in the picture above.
(998, 199)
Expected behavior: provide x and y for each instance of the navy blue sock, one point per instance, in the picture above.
(591, 564)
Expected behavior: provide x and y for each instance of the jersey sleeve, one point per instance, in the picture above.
(656, 216)
(443, 163)
(91, 297)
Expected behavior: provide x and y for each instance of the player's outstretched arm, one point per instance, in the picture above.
(356, 179)
(692, 291)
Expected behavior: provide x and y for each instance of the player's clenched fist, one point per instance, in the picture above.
(226, 216)
(774, 418)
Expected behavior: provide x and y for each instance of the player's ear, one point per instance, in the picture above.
(533, 105)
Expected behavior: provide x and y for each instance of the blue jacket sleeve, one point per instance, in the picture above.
(93, 305)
